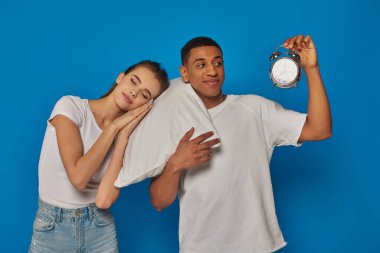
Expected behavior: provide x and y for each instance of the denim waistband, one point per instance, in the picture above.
(59, 214)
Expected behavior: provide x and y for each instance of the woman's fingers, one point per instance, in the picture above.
(132, 124)
(140, 116)
(137, 111)
(127, 117)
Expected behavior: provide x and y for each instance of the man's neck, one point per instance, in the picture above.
(212, 102)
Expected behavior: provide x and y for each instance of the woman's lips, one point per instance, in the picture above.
(127, 98)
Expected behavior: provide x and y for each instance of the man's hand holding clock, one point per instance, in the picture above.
(305, 48)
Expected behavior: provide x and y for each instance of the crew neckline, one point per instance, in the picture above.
(216, 109)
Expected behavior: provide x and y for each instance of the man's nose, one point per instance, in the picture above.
(211, 70)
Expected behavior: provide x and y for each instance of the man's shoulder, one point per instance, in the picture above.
(251, 100)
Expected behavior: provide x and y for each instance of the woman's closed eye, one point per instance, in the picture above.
(146, 94)
(134, 81)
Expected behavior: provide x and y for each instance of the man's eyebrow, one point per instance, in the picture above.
(138, 78)
(199, 59)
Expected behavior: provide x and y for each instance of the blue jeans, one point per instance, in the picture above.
(87, 229)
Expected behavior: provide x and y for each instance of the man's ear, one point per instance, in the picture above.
(119, 77)
(184, 75)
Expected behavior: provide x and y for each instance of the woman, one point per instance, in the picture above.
(80, 159)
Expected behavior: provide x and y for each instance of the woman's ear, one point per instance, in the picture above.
(119, 78)
(184, 75)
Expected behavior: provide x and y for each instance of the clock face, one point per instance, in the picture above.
(284, 71)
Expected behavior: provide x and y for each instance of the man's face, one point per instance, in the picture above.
(204, 70)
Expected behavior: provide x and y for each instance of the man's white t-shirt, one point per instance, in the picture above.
(55, 187)
(227, 206)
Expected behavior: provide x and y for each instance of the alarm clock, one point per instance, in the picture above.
(285, 70)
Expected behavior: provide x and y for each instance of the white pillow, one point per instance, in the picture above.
(156, 138)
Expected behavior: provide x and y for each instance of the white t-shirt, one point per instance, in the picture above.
(227, 206)
(55, 187)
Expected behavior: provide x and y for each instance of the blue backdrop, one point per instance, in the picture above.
(327, 194)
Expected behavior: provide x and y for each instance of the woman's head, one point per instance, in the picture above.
(137, 85)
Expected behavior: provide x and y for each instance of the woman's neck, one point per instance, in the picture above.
(105, 110)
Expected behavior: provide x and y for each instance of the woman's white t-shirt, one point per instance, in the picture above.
(227, 205)
(55, 187)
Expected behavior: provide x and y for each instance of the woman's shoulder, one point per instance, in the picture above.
(70, 99)
(73, 107)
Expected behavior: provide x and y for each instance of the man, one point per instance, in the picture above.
(226, 202)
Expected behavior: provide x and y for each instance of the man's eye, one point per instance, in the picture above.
(201, 65)
(219, 63)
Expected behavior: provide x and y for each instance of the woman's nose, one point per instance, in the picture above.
(133, 93)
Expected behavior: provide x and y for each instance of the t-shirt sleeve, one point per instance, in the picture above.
(281, 126)
(69, 107)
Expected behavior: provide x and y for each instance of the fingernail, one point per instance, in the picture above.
(285, 44)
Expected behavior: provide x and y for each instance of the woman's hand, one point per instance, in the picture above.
(305, 47)
(192, 153)
(126, 123)
(126, 131)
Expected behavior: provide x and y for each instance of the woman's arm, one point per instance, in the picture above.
(189, 154)
(81, 167)
(107, 192)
